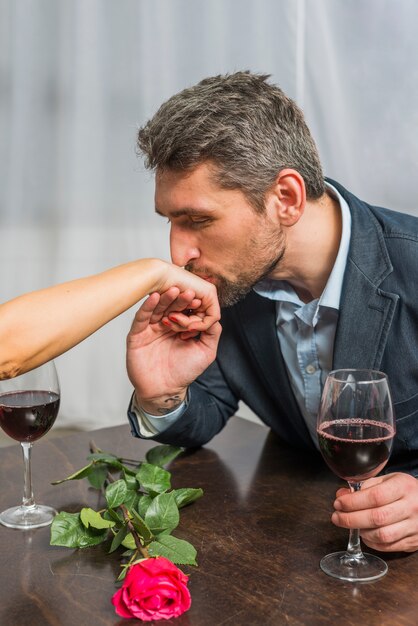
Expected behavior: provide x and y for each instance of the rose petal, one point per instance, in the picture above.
(119, 605)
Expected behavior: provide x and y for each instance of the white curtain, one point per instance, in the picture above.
(78, 76)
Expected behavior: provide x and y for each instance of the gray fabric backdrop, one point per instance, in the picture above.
(78, 76)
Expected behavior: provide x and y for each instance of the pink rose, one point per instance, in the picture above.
(153, 589)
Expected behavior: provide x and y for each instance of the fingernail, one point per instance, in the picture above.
(337, 505)
(166, 323)
(173, 318)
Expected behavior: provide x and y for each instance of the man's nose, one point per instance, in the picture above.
(183, 247)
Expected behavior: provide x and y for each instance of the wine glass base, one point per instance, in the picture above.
(27, 517)
(364, 568)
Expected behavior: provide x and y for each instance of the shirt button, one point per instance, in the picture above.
(310, 369)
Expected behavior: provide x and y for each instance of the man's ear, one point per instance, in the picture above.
(287, 197)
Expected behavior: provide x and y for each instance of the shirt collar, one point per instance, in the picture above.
(331, 296)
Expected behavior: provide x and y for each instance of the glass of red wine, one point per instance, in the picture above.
(29, 405)
(355, 430)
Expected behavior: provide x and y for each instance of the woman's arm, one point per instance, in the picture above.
(41, 325)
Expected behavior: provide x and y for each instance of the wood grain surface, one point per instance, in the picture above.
(260, 531)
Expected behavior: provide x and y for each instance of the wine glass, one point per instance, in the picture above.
(29, 405)
(355, 431)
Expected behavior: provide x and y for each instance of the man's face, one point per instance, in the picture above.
(216, 233)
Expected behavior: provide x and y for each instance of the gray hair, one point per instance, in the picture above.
(246, 127)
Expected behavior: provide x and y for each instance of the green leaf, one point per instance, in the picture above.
(123, 572)
(143, 504)
(89, 517)
(176, 550)
(164, 532)
(130, 479)
(67, 530)
(116, 493)
(131, 499)
(128, 553)
(141, 527)
(186, 496)
(81, 473)
(97, 476)
(129, 542)
(111, 514)
(161, 455)
(128, 471)
(109, 459)
(153, 479)
(162, 514)
(118, 538)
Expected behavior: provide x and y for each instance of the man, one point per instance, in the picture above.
(309, 277)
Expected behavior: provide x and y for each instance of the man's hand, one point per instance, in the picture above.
(167, 350)
(385, 510)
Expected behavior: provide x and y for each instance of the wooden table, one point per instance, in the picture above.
(260, 531)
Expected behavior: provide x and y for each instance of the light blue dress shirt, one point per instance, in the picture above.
(306, 333)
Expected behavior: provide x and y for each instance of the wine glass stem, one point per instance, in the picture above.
(354, 547)
(28, 500)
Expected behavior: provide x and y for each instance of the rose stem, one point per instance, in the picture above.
(142, 549)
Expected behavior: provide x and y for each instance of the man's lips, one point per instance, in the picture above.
(209, 279)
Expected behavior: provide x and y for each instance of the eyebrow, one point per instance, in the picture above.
(186, 211)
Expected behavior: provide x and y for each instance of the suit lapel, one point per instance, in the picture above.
(366, 311)
(366, 315)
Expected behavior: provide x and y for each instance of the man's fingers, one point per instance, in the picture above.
(189, 335)
(169, 299)
(143, 315)
(211, 307)
(395, 538)
(370, 482)
(372, 517)
(374, 493)
(342, 491)
(386, 535)
(209, 337)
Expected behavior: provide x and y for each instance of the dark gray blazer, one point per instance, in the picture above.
(377, 329)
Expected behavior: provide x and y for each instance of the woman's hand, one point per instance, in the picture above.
(195, 295)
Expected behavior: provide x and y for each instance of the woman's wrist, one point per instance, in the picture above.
(149, 275)
(164, 275)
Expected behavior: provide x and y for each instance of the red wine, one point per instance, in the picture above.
(355, 449)
(28, 415)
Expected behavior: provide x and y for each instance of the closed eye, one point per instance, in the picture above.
(196, 222)
(188, 221)
(185, 219)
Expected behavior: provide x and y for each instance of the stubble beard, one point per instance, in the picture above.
(232, 291)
